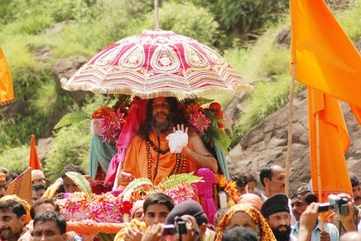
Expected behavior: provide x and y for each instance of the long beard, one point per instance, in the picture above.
(161, 127)
(283, 235)
(7, 234)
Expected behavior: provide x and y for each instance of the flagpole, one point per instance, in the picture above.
(318, 163)
(156, 14)
(290, 134)
(291, 94)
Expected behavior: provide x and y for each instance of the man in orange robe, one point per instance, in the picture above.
(148, 154)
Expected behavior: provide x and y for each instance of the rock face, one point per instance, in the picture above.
(267, 144)
(65, 68)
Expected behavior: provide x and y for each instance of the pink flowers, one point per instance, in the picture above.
(104, 208)
(199, 121)
(111, 122)
(197, 118)
(201, 118)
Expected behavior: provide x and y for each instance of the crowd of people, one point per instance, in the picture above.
(265, 214)
(161, 146)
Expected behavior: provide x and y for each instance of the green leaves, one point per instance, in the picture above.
(180, 179)
(72, 118)
(132, 186)
(80, 181)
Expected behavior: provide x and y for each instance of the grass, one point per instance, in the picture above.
(351, 21)
(267, 97)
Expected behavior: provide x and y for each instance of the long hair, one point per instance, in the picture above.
(176, 116)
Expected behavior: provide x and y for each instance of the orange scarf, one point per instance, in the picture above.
(266, 233)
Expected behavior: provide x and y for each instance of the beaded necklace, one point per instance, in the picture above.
(180, 165)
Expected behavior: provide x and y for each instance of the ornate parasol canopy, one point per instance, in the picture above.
(157, 63)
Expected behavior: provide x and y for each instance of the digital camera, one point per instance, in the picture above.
(337, 204)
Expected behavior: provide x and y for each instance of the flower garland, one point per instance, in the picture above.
(208, 122)
(111, 122)
(178, 187)
(229, 187)
(104, 208)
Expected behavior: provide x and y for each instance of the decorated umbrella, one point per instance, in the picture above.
(157, 63)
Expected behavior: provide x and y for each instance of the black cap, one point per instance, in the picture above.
(275, 204)
(189, 207)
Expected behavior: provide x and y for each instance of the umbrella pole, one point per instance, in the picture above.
(156, 14)
(290, 134)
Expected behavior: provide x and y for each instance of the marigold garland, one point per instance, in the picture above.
(229, 187)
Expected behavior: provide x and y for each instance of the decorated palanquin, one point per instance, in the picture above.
(158, 64)
(120, 125)
(93, 210)
(112, 207)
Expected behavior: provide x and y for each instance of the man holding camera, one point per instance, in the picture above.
(186, 222)
(193, 215)
(300, 203)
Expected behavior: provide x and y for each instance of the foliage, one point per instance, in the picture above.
(71, 118)
(15, 159)
(267, 97)
(245, 18)
(350, 20)
(71, 142)
(70, 146)
(188, 20)
(180, 179)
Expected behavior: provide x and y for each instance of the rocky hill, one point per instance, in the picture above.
(267, 144)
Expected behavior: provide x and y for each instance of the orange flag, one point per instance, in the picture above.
(6, 85)
(34, 161)
(21, 186)
(324, 57)
(329, 140)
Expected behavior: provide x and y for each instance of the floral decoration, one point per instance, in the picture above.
(208, 122)
(104, 208)
(229, 187)
(111, 122)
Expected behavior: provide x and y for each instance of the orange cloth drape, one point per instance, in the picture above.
(323, 56)
(34, 161)
(6, 84)
(329, 140)
(92, 228)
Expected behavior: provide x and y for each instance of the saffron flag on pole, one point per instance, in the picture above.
(6, 85)
(34, 161)
(329, 140)
(21, 186)
(323, 56)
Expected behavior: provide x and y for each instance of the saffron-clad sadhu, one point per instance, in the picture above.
(149, 155)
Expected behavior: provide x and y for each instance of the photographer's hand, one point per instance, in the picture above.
(133, 235)
(153, 233)
(193, 231)
(308, 221)
(347, 221)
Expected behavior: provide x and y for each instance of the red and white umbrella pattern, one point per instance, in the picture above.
(157, 63)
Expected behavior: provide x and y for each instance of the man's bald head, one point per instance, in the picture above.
(351, 236)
